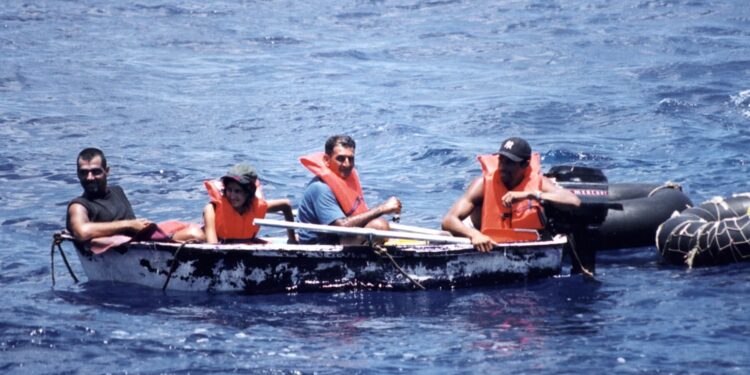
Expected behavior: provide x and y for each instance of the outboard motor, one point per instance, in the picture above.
(591, 186)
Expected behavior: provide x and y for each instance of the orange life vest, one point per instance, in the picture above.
(348, 192)
(230, 225)
(502, 223)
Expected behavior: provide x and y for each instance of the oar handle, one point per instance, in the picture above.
(363, 231)
(413, 229)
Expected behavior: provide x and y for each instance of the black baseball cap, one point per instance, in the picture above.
(516, 149)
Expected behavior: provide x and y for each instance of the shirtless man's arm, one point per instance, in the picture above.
(464, 206)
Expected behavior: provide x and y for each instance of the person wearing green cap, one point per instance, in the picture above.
(236, 201)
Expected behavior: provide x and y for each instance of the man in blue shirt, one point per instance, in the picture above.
(335, 186)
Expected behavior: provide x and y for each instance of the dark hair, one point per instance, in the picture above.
(90, 153)
(249, 189)
(339, 140)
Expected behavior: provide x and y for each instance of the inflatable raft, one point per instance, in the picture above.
(612, 215)
(716, 232)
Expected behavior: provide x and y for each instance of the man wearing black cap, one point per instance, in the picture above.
(505, 203)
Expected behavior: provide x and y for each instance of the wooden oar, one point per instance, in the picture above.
(402, 228)
(363, 232)
(413, 229)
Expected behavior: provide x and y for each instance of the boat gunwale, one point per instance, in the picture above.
(411, 249)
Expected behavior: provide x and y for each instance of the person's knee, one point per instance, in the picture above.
(191, 234)
(197, 234)
(378, 224)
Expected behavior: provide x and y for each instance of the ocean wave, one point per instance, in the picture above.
(671, 105)
(274, 40)
(356, 15)
(565, 156)
(742, 102)
(348, 54)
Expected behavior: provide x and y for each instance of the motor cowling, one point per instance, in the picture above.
(592, 188)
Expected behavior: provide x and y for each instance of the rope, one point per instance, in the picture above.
(57, 241)
(52, 257)
(173, 267)
(666, 185)
(383, 252)
(690, 257)
(584, 270)
(674, 235)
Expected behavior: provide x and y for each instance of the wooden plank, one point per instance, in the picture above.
(366, 232)
(413, 229)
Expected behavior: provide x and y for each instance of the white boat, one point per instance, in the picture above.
(274, 267)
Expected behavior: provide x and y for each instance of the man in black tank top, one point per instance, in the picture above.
(101, 210)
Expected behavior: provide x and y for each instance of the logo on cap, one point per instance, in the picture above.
(508, 145)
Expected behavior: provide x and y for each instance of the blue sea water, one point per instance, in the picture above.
(176, 91)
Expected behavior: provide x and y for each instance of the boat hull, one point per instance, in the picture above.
(292, 268)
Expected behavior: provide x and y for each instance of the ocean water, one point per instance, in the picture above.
(175, 92)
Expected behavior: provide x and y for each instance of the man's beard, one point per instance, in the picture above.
(93, 189)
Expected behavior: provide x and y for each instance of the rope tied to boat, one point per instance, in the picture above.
(383, 252)
(690, 256)
(173, 266)
(584, 271)
(57, 240)
(666, 185)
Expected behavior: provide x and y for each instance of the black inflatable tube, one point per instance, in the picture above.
(635, 225)
(632, 224)
(716, 232)
(630, 190)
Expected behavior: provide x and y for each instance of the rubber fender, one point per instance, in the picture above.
(714, 233)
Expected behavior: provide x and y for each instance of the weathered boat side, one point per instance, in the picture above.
(290, 268)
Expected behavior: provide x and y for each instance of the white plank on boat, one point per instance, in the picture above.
(367, 232)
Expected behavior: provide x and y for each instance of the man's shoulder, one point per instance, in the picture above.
(316, 186)
(81, 200)
(116, 193)
(475, 191)
(112, 191)
(117, 189)
(319, 197)
(476, 185)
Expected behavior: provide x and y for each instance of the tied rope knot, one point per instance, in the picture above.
(57, 240)
(173, 263)
(690, 256)
(666, 185)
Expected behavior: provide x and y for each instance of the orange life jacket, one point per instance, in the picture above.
(348, 192)
(510, 224)
(230, 225)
